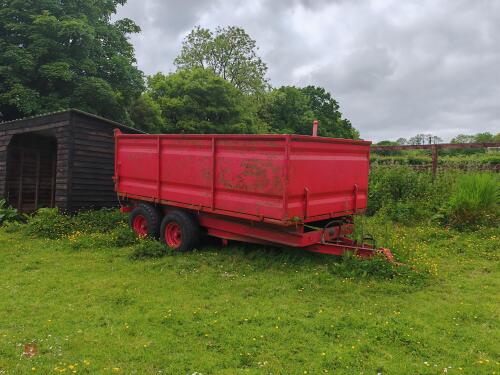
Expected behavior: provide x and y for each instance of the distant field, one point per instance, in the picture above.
(247, 310)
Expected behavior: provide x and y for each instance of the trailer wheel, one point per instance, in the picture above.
(180, 231)
(145, 220)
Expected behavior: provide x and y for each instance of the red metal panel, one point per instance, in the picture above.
(278, 178)
(327, 177)
(186, 170)
(136, 166)
(249, 176)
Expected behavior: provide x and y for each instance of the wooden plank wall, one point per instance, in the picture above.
(4, 142)
(92, 169)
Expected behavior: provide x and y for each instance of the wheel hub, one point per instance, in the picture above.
(173, 235)
(140, 226)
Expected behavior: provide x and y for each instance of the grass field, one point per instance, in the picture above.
(247, 310)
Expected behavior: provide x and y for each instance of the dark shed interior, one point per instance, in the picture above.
(31, 171)
(63, 159)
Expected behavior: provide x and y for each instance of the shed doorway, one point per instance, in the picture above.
(31, 171)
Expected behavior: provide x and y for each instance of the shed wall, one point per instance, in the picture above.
(92, 169)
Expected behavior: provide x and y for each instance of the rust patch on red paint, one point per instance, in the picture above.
(262, 176)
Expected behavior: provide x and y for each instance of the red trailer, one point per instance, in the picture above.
(292, 190)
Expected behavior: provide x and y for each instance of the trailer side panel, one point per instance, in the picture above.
(264, 177)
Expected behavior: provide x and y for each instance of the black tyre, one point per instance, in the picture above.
(180, 231)
(145, 220)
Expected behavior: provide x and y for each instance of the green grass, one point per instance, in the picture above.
(247, 310)
(475, 198)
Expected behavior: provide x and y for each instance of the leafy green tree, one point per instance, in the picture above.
(58, 54)
(419, 139)
(387, 143)
(199, 101)
(287, 110)
(145, 113)
(402, 141)
(230, 52)
(326, 111)
(484, 137)
(463, 138)
(290, 109)
(388, 152)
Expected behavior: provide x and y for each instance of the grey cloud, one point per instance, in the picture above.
(397, 68)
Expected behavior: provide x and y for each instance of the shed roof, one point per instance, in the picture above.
(76, 111)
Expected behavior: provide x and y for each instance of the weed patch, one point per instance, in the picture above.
(148, 248)
(51, 224)
(9, 214)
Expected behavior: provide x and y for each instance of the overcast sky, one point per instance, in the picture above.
(396, 67)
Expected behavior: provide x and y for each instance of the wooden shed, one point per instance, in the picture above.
(63, 159)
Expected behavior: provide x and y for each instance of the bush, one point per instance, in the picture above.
(378, 267)
(148, 248)
(49, 223)
(405, 195)
(52, 224)
(408, 196)
(474, 200)
(98, 221)
(7, 213)
(122, 236)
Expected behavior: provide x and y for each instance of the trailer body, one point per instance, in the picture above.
(272, 178)
(270, 189)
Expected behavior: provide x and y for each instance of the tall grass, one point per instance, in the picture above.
(405, 195)
(474, 200)
(461, 199)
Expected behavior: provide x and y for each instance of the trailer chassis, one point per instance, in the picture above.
(325, 237)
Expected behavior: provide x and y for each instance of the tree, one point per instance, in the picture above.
(326, 111)
(59, 54)
(290, 109)
(145, 113)
(198, 101)
(463, 138)
(402, 141)
(387, 143)
(287, 110)
(388, 152)
(434, 139)
(229, 52)
(419, 139)
(484, 137)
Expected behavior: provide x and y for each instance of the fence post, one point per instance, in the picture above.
(434, 160)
